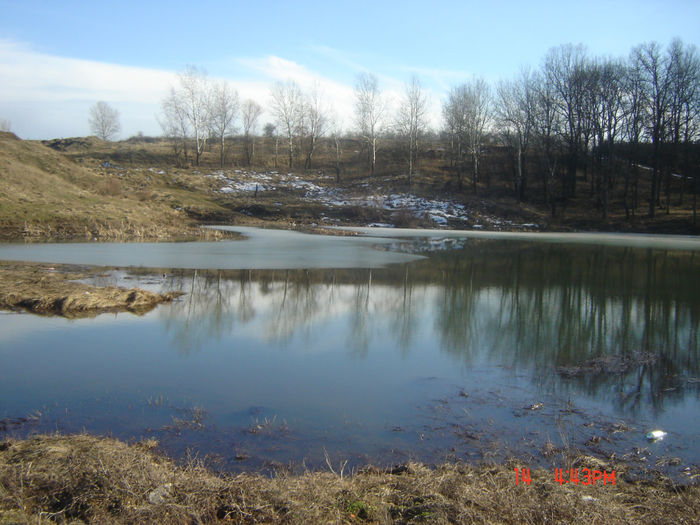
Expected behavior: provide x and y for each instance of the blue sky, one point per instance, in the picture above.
(58, 58)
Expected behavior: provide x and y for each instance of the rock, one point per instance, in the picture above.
(160, 494)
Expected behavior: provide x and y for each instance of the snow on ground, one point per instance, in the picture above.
(439, 211)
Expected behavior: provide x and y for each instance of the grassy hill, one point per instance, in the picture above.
(84, 188)
(45, 194)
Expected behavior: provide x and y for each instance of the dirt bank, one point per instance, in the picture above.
(51, 290)
(85, 479)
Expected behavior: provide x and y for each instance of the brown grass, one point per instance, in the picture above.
(40, 289)
(86, 479)
(45, 194)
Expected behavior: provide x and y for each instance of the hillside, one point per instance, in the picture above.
(44, 194)
(84, 188)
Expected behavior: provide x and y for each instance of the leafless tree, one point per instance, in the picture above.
(607, 85)
(454, 115)
(684, 69)
(104, 121)
(223, 109)
(633, 127)
(314, 122)
(175, 124)
(369, 112)
(336, 132)
(546, 124)
(478, 115)
(411, 121)
(515, 111)
(193, 94)
(287, 105)
(250, 113)
(565, 71)
(656, 79)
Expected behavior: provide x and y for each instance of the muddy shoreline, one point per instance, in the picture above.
(88, 479)
(52, 290)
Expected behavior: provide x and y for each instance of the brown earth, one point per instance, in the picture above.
(86, 479)
(51, 290)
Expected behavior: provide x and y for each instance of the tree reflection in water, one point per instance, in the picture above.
(531, 307)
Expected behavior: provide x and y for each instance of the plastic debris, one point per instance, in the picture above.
(656, 435)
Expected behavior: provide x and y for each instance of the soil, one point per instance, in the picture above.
(87, 479)
(52, 290)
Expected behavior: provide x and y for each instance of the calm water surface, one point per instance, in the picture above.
(466, 349)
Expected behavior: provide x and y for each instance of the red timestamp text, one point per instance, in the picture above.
(583, 476)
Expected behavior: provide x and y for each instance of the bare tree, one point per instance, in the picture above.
(565, 71)
(478, 115)
(223, 109)
(104, 121)
(336, 131)
(514, 110)
(633, 128)
(607, 79)
(454, 115)
(175, 124)
(193, 94)
(287, 107)
(369, 112)
(546, 124)
(314, 122)
(656, 84)
(250, 113)
(684, 69)
(411, 123)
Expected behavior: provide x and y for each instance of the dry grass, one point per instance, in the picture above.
(46, 195)
(85, 479)
(40, 289)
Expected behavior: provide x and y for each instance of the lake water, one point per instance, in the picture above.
(455, 348)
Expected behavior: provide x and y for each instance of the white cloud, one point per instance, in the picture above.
(27, 75)
(46, 96)
(338, 96)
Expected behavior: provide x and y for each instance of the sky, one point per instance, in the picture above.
(58, 58)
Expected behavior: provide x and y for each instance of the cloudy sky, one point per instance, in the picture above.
(59, 58)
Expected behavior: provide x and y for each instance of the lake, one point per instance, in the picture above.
(289, 347)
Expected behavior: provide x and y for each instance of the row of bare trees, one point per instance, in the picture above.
(302, 118)
(198, 110)
(577, 123)
(581, 114)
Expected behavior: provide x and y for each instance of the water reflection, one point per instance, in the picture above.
(545, 310)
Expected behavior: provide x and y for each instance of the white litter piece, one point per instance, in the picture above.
(656, 435)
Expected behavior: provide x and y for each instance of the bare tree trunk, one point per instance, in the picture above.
(223, 151)
(337, 158)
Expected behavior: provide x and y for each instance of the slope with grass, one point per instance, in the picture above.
(46, 195)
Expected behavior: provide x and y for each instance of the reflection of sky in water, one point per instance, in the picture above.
(423, 358)
(260, 249)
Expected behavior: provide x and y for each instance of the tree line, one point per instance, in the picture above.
(577, 123)
(592, 114)
(199, 111)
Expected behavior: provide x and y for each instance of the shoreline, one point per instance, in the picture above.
(45, 289)
(84, 479)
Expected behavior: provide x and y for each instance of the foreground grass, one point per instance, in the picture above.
(86, 479)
